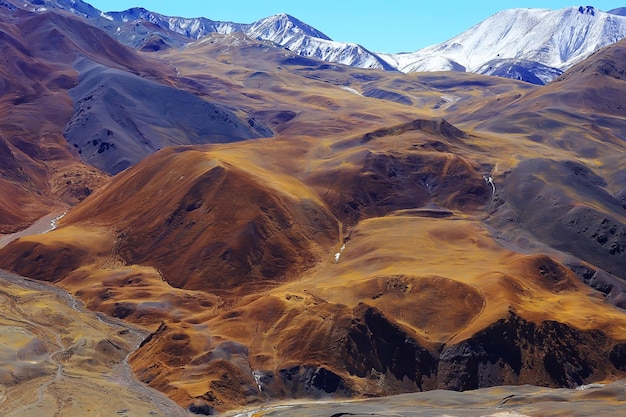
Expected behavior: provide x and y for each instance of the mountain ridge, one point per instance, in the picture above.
(557, 39)
(533, 45)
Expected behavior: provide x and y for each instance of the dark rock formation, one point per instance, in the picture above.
(374, 343)
(515, 351)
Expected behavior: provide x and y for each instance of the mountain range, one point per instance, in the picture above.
(195, 226)
(532, 45)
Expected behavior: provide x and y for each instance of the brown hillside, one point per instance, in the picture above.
(264, 308)
(400, 233)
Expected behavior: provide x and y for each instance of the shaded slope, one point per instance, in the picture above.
(369, 178)
(38, 170)
(63, 38)
(55, 62)
(574, 199)
(565, 205)
(117, 122)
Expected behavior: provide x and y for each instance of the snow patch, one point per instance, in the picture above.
(352, 90)
(338, 254)
(589, 386)
(450, 99)
(257, 378)
(54, 223)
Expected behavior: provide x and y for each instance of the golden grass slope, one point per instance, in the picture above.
(264, 308)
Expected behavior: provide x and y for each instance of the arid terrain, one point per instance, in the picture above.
(238, 227)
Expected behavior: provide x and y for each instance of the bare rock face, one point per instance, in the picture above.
(617, 356)
(513, 351)
(374, 344)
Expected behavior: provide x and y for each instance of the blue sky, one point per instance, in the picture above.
(380, 25)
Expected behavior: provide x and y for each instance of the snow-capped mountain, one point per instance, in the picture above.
(281, 29)
(540, 41)
(77, 7)
(534, 45)
(192, 28)
(620, 11)
(298, 37)
(305, 40)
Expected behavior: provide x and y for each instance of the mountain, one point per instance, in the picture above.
(76, 7)
(272, 227)
(361, 251)
(541, 43)
(116, 123)
(138, 27)
(56, 62)
(532, 45)
(620, 11)
(193, 28)
(301, 38)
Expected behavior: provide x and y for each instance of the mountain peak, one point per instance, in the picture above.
(77, 7)
(620, 11)
(283, 26)
(551, 41)
(587, 10)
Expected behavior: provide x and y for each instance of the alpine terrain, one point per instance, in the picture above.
(203, 217)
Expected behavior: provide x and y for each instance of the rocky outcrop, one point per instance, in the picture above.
(378, 356)
(375, 345)
(515, 351)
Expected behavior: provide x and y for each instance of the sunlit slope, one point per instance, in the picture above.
(233, 226)
(412, 304)
(234, 255)
(57, 359)
(71, 93)
(400, 233)
(302, 96)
